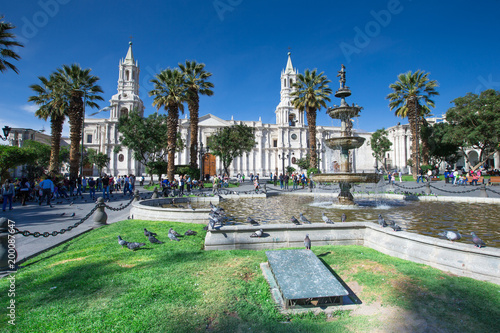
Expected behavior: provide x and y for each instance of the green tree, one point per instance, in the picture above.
(52, 104)
(146, 137)
(411, 98)
(195, 79)
(439, 149)
(380, 146)
(475, 123)
(7, 41)
(12, 157)
(79, 86)
(170, 92)
(98, 159)
(230, 142)
(311, 95)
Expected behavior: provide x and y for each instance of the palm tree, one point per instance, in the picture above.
(53, 105)
(195, 79)
(311, 95)
(78, 84)
(411, 98)
(6, 42)
(170, 92)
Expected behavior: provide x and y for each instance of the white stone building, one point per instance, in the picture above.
(278, 146)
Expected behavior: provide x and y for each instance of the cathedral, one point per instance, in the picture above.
(278, 146)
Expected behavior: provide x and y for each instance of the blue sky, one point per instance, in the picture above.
(245, 43)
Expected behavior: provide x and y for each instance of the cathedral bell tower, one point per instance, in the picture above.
(286, 114)
(127, 99)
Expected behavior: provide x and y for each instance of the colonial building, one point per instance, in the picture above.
(102, 134)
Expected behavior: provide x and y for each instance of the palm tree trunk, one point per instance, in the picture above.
(172, 120)
(75, 123)
(311, 123)
(194, 105)
(412, 119)
(425, 144)
(56, 131)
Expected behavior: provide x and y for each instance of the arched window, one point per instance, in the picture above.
(291, 82)
(127, 74)
(291, 119)
(123, 112)
(284, 83)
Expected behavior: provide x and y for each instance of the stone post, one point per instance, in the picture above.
(482, 191)
(100, 216)
(137, 197)
(6, 253)
(428, 188)
(265, 188)
(155, 193)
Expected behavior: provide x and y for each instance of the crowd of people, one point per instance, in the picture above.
(47, 188)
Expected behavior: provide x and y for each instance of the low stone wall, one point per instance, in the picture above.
(457, 258)
(152, 210)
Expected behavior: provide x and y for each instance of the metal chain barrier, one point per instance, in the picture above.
(37, 234)
(409, 188)
(121, 207)
(489, 189)
(466, 191)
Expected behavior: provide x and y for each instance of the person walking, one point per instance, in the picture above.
(47, 187)
(7, 192)
(92, 188)
(25, 190)
(105, 187)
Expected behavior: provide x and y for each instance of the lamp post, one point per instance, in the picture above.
(283, 158)
(6, 132)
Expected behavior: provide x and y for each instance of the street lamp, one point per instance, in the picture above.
(283, 158)
(6, 131)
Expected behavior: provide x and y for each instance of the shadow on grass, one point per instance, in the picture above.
(352, 296)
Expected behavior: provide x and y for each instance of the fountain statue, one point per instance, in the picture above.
(345, 143)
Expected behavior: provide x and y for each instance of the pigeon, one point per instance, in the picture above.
(343, 218)
(153, 239)
(477, 241)
(63, 214)
(173, 232)
(303, 219)
(172, 237)
(121, 241)
(381, 221)
(189, 206)
(307, 242)
(258, 233)
(149, 233)
(134, 246)
(190, 233)
(294, 220)
(211, 224)
(326, 219)
(71, 203)
(451, 235)
(395, 227)
(252, 221)
(73, 215)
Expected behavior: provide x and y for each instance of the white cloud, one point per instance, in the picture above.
(29, 108)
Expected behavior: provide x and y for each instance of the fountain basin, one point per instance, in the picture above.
(348, 142)
(343, 112)
(347, 177)
(153, 210)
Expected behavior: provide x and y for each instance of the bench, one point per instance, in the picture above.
(494, 179)
(480, 180)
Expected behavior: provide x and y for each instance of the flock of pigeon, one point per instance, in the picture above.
(455, 235)
(172, 235)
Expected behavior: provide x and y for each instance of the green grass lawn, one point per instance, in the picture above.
(91, 284)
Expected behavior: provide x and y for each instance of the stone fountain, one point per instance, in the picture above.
(345, 143)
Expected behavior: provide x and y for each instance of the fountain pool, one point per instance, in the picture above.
(425, 218)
